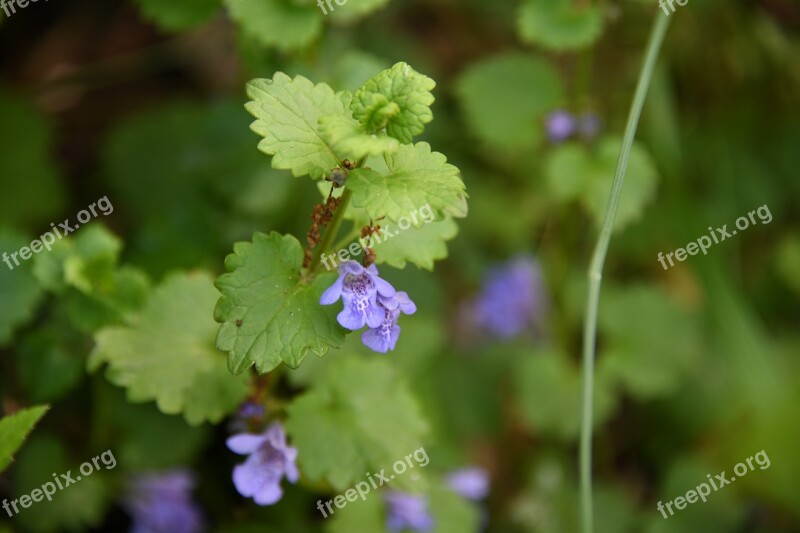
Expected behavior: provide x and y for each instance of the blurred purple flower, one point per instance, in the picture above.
(471, 483)
(359, 288)
(161, 503)
(384, 337)
(512, 298)
(589, 125)
(407, 511)
(560, 126)
(270, 458)
(249, 413)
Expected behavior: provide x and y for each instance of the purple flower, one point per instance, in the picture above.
(589, 126)
(560, 126)
(359, 288)
(259, 477)
(161, 503)
(407, 511)
(471, 483)
(384, 337)
(511, 299)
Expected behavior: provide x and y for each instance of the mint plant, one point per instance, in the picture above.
(359, 146)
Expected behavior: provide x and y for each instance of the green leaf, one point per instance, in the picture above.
(367, 515)
(19, 291)
(201, 158)
(398, 99)
(79, 507)
(549, 390)
(650, 343)
(559, 24)
(13, 430)
(287, 112)
(283, 24)
(177, 15)
(83, 271)
(360, 417)
(452, 513)
(573, 172)
(31, 191)
(505, 98)
(355, 9)
(419, 245)
(51, 362)
(347, 138)
(270, 315)
(416, 177)
(167, 353)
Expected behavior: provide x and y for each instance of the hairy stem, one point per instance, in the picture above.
(596, 270)
(331, 231)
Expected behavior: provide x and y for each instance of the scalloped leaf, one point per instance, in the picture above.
(397, 100)
(167, 353)
(287, 112)
(416, 177)
(360, 417)
(269, 314)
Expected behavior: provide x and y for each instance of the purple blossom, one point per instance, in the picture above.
(359, 288)
(471, 483)
(512, 298)
(270, 458)
(384, 337)
(161, 503)
(407, 511)
(560, 126)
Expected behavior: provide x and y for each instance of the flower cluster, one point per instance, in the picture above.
(409, 512)
(270, 458)
(162, 503)
(512, 299)
(561, 125)
(371, 301)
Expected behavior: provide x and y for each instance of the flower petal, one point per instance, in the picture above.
(245, 444)
(332, 293)
(269, 494)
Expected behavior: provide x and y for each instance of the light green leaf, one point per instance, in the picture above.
(287, 112)
(281, 24)
(278, 314)
(177, 15)
(505, 98)
(83, 271)
(416, 177)
(354, 9)
(360, 417)
(549, 390)
(19, 291)
(650, 342)
(452, 513)
(347, 138)
(398, 99)
(167, 353)
(13, 430)
(559, 24)
(573, 172)
(420, 245)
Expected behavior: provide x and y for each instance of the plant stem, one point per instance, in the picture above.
(332, 230)
(596, 270)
